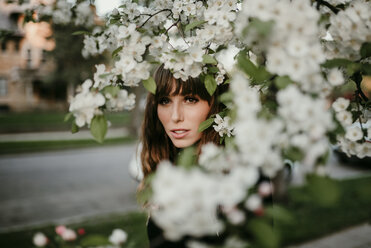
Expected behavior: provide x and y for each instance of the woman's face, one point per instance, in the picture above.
(181, 116)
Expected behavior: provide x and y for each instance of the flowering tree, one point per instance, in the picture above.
(283, 60)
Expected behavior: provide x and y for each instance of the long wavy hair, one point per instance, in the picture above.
(157, 145)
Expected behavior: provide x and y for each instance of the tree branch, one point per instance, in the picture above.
(152, 15)
(328, 5)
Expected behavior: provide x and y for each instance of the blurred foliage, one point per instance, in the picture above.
(71, 66)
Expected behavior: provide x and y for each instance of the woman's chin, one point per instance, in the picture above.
(183, 143)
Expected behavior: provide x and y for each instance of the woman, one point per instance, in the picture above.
(173, 115)
(171, 121)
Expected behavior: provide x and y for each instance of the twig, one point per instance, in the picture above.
(359, 110)
(172, 25)
(328, 5)
(152, 15)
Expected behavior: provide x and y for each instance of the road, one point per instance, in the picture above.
(65, 185)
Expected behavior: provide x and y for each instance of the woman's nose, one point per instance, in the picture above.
(177, 112)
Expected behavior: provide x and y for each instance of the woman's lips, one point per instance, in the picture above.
(179, 133)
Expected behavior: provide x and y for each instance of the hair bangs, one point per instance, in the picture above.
(167, 85)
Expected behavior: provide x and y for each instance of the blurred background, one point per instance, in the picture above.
(50, 176)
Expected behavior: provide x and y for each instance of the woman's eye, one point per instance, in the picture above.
(191, 99)
(164, 101)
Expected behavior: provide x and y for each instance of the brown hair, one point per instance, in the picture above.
(157, 145)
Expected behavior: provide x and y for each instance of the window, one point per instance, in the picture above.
(3, 46)
(29, 59)
(3, 87)
(43, 56)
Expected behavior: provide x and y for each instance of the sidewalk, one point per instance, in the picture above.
(61, 135)
(355, 237)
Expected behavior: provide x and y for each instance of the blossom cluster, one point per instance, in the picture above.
(354, 132)
(91, 99)
(349, 29)
(249, 129)
(64, 12)
(223, 126)
(205, 194)
(292, 47)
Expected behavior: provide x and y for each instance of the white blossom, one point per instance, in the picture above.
(335, 77)
(118, 237)
(354, 133)
(122, 101)
(340, 104)
(253, 202)
(344, 117)
(85, 104)
(40, 240)
(69, 235)
(84, 14)
(223, 126)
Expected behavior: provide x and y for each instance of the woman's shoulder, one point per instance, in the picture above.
(135, 165)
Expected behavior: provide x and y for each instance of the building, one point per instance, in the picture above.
(23, 63)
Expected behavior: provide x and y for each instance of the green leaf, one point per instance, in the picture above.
(366, 69)
(112, 90)
(210, 84)
(353, 68)
(282, 82)
(261, 75)
(365, 50)
(146, 193)
(245, 64)
(114, 20)
(229, 141)
(263, 233)
(336, 63)
(213, 69)
(263, 28)
(67, 117)
(80, 32)
(94, 240)
(257, 74)
(104, 75)
(116, 51)
(187, 157)
(226, 97)
(150, 85)
(98, 128)
(323, 190)
(205, 125)
(74, 128)
(280, 214)
(294, 154)
(193, 25)
(208, 59)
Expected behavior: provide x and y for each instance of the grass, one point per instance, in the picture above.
(311, 220)
(97, 232)
(48, 121)
(14, 147)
